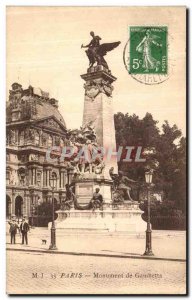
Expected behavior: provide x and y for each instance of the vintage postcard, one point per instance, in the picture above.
(96, 150)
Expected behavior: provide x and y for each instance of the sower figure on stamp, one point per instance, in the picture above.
(97, 200)
(149, 62)
(24, 228)
(13, 230)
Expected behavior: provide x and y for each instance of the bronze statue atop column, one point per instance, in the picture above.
(96, 52)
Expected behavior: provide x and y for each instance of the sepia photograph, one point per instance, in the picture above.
(96, 196)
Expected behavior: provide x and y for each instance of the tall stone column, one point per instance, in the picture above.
(70, 176)
(24, 208)
(60, 176)
(30, 176)
(47, 177)
(98, 111)
(98, 114)
(33, 176)
(13, 203)
(64, 178)
(44, 177)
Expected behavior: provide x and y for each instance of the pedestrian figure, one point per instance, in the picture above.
(13, 230)
(24, 228)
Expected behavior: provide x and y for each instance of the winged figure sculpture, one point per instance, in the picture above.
(96, 52)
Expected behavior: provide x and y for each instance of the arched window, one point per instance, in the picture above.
(19, 206)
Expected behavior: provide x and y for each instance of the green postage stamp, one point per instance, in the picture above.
(148, 50)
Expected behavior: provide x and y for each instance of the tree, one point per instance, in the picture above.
(167, 158)
(132, 131)
(162, 151)
(179, 178)
(45, 208)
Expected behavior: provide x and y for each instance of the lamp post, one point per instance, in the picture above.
(148, 248)
(32, 208)
(53, 182)
(18, 216)
(38, 204)
(32, 215)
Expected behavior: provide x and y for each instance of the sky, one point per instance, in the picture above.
(44, 50)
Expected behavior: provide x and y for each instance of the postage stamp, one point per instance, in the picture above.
(148, 50)
(146, 54)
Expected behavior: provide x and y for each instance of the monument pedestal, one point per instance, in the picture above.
(84, 189)
(126, 219)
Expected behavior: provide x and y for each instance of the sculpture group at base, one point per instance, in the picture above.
(85, 138)
(70, 200)
(120, 193)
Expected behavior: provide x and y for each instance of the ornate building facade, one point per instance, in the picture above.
(33, 125)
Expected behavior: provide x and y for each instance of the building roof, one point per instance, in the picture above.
(34, 104)
(46, 110)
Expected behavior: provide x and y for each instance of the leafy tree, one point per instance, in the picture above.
(162, 151)
(167, 158)
(132, 131)
(45, 208)
(179, 177)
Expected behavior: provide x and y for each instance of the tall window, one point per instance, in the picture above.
(7, 177)
(54, 176)
(50, 141)
(39, 178)
(21, 173)
(37, 139)
(53, 180)
(21, 138)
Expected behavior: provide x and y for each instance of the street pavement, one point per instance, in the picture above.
(45, 273)
(96, 263)
(165, 244)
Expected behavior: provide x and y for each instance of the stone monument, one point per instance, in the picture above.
(98, 113)
(99, 131)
